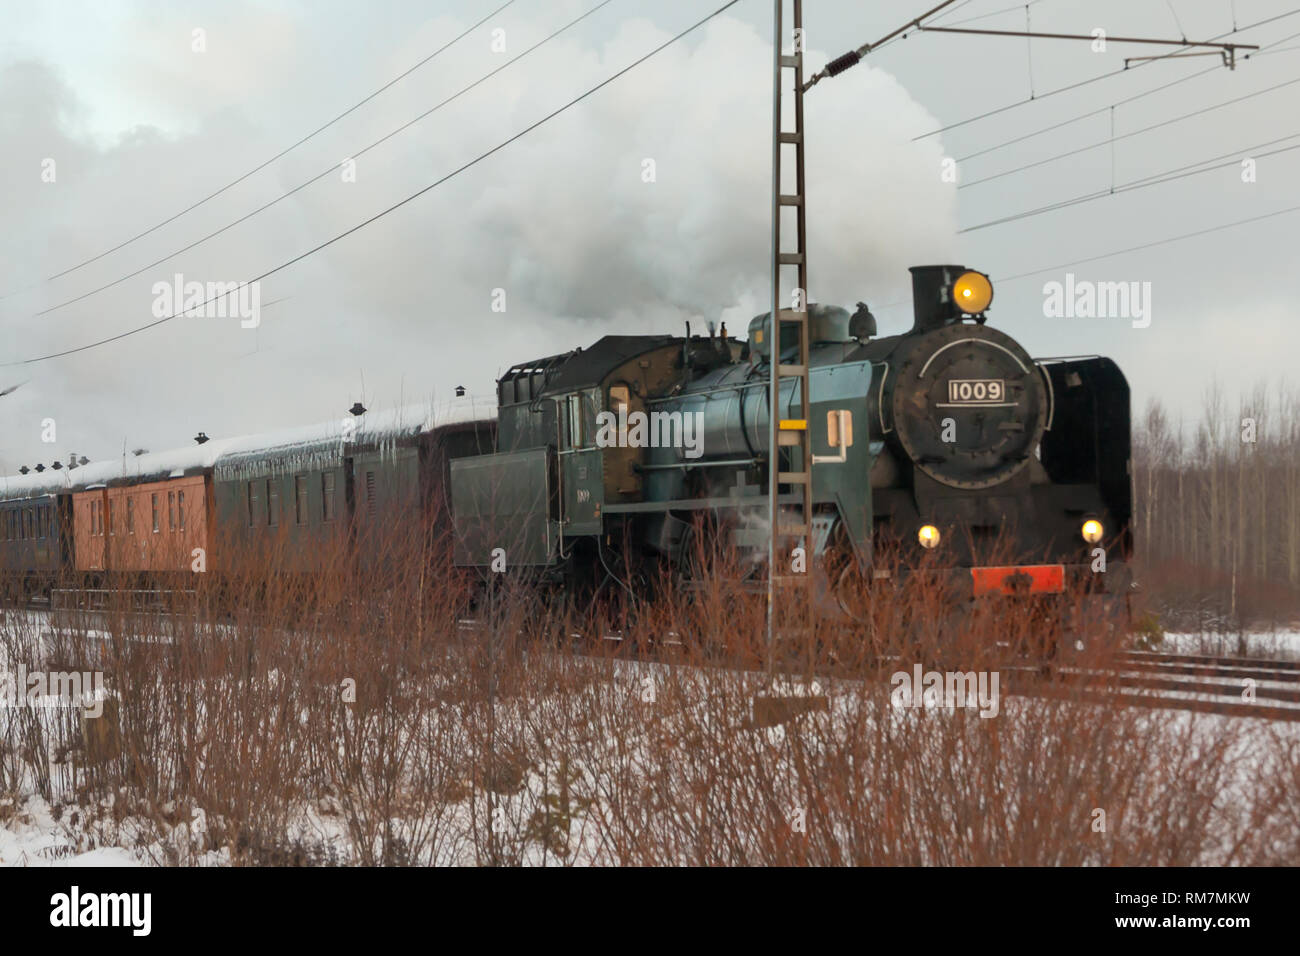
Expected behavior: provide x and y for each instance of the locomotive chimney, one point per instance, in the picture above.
(932, 307)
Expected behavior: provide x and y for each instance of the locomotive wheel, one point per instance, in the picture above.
(714, 601)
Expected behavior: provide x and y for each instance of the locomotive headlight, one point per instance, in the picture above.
(972, 293)
(1091, 531)
(928, 536)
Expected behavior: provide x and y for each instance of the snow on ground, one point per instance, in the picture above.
(1279, 645)
(32, 833)
(32, 837)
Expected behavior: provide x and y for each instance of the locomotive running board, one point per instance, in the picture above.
(1019, 579)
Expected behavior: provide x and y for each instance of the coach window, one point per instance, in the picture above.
(112, 528)
(153, 499)
(272, 503)
(300, 498)
(130, 515)
(327, 496)
(171, 511)
(252, 504)
(180, 510)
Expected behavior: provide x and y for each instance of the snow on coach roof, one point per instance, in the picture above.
(374, 431)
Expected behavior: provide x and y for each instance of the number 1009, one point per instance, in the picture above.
(973, 391)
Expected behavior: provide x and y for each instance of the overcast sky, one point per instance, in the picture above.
(111, 121)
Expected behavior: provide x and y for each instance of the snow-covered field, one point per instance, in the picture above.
(598, 758)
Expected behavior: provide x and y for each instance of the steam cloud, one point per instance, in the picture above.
(561, 220)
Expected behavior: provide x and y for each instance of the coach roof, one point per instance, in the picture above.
(373, 430)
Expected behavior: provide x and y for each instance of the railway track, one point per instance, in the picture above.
(1229, 686)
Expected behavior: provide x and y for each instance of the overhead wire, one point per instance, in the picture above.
(280, 155)
(1152, 245)
(395, 206)
(1155, 179)
(1131, 133)
(1085, 82)
(332, 168)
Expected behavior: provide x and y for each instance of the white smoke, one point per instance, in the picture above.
(562, 221)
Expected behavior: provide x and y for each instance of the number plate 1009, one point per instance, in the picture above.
(976, 391)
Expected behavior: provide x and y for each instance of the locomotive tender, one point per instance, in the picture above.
(948, 442)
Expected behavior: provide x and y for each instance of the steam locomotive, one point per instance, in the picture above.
(946, 441)
(942, 450)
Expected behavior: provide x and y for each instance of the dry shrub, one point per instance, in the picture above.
(404, 714)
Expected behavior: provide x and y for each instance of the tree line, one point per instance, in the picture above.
(1217, 508)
